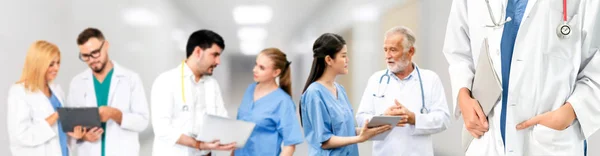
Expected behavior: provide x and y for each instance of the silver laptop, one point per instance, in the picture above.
(225, 130)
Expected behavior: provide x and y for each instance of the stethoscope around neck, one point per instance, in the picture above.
(379, 94)
(186, 107)
(563, 30)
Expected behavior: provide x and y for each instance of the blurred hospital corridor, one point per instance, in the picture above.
(149, 37)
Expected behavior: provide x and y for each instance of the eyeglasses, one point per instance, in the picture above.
(93, 54)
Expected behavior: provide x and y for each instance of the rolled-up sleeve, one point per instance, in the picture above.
(316, 119)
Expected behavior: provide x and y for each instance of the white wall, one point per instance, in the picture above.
(432, 29)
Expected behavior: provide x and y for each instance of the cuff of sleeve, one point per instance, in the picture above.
(419, 121)
(459, 81)
(173, 138)
(128, 121)
(204, 152)
(324, 138)
(587, 128)
(293, 142)
(456, 110)
(46, 130)
(420, 124)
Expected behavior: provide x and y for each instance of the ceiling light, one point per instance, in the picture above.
(140, 17)
(251, 47)
(252, 33)
(252, 14)
(366, 13)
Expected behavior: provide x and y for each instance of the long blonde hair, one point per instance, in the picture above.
(38, 59)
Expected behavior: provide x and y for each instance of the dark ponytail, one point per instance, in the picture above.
(328, 44)
(280, 62)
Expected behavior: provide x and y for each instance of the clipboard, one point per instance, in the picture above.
(225, 130)
(88, 117)
(377, 121)
(486, 89)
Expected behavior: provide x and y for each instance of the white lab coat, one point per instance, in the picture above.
(28, 131)
(411, 140)
(126, 93)
(169, 121)
(546, 72)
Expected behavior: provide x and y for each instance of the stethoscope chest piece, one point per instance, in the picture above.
(563, 31)
(424, 110)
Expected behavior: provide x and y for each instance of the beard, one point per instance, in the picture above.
(210, 70)
(99, 69)
(399, 66)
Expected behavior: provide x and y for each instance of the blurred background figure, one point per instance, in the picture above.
(149, 37)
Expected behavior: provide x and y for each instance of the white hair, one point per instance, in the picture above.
(409, 37)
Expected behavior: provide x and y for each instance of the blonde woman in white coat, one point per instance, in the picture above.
(33, 125)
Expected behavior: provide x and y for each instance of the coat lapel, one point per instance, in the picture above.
(89, 95)
(115, 79)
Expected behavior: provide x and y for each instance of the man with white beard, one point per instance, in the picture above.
(405, 90)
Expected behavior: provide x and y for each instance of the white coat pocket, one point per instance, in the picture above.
(548, 141)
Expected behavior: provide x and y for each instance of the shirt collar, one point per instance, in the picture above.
(189, 74)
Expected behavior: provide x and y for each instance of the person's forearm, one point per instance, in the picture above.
(464, 93)
(117, 116)
(187, 141)
(52, 119)
(337, 141)
(288, 150)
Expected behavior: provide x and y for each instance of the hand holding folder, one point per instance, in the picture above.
(486, 89)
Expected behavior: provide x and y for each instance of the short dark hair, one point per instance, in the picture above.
(204, 39)
(88, 33)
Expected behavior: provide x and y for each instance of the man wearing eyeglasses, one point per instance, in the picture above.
(116, 91)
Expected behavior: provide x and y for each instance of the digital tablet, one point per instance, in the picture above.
(87, 117)
(377, 121)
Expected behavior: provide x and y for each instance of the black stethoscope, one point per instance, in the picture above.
(562, 31)
(424, 109)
